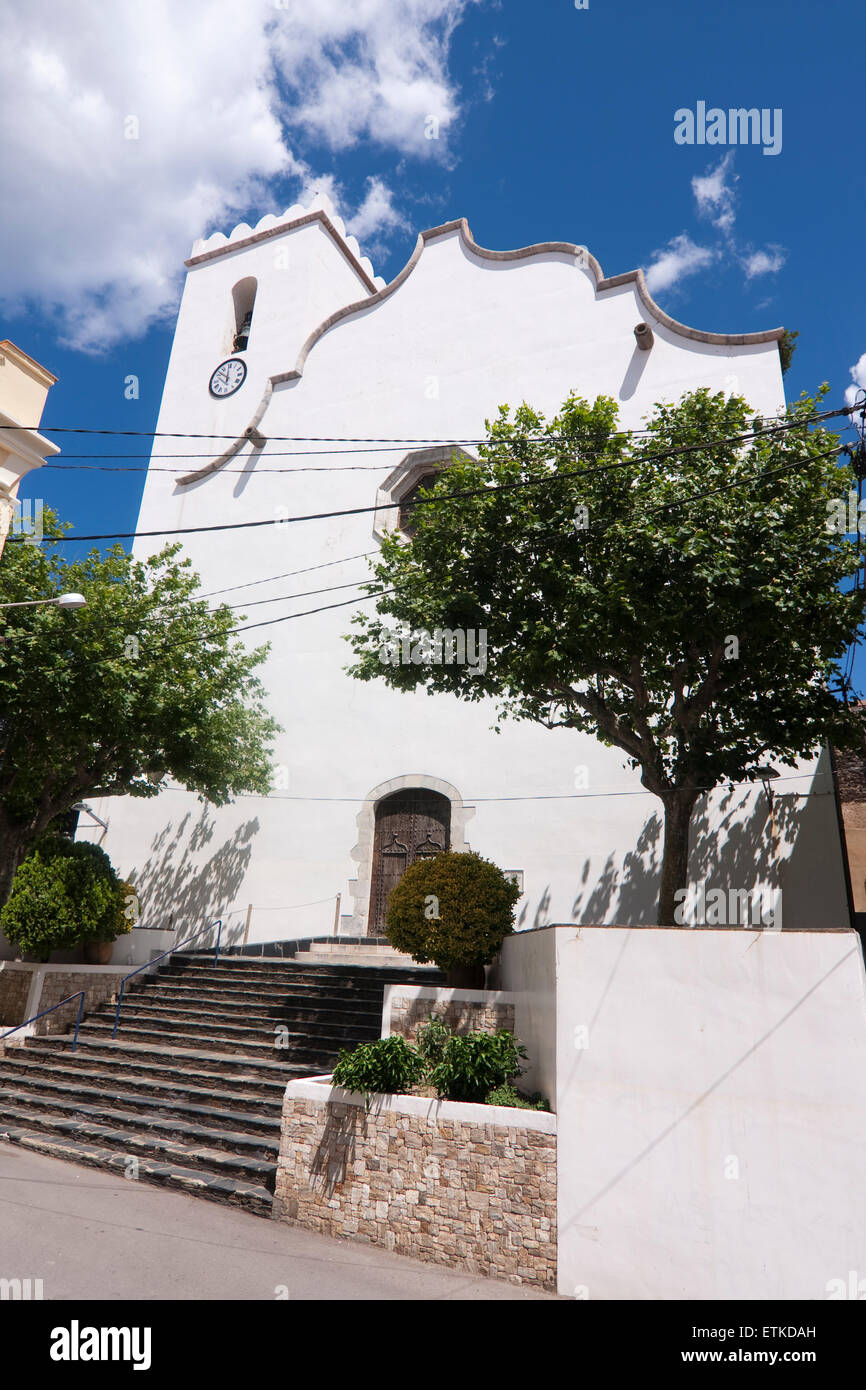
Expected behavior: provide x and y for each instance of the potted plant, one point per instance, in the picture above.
(66, 894)
(455, 910)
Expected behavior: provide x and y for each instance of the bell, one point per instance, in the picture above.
(242, 336)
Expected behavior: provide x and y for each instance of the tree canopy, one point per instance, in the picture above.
(678, 593)
(143, 683)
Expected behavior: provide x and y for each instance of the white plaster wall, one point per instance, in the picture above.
(527, 970)
(459, 336)
(711, 1053)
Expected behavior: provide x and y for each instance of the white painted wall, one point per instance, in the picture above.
(459, 335)
(711, 1135)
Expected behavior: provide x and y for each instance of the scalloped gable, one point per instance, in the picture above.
(581, 255)
(321, 208)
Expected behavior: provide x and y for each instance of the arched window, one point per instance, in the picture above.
(243, 300)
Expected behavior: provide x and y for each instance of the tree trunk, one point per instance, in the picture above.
(13, 849)
(675, 858)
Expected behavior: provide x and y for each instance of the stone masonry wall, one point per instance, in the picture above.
(58, 983)
(461, 1015)
(14, 989)
(477, 1196)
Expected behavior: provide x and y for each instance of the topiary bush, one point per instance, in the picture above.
(388, 1065)
(475, 1064)
(63, 894)
(454, 909)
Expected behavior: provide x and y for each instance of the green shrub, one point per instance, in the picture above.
(388, 1065)
(475, 1064)
(63, 894)
(454, 909)
(506, 1095)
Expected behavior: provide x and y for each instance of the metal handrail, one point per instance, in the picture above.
(51, 1011)
(210, 926)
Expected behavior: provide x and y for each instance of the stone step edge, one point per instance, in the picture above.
(231, 1191)
(43, 1071)
(140, 1126)
(35, 1088)
(194, 1054)
(58, 1124)
(123, 1057)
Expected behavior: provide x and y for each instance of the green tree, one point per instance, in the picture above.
(684, 607)
(143, 683)
(64, 893)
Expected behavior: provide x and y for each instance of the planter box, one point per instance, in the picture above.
(471, 1186)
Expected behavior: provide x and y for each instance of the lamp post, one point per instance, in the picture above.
(62, 601)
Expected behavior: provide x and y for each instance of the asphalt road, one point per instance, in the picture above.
(90, 1235)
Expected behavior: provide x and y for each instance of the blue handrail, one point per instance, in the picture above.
(67, 1000)
(219, 926)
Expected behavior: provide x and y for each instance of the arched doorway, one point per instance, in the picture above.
(411, 824)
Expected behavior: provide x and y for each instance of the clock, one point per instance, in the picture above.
(228, 377)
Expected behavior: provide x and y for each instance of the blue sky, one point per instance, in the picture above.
(554, 123)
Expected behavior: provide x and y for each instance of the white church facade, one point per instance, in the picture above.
(285, 340)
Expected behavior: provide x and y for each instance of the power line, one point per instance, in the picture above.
(772, 428)
(442, 498)
(664, 506)
(473, 800)
(309, 438)
(327, 564)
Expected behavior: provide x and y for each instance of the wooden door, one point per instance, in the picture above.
(410, 825)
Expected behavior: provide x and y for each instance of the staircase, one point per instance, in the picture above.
(190, 1093)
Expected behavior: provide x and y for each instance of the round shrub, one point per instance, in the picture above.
(474, 1064)
(63, 894)
(388, 1065)
(454, 909)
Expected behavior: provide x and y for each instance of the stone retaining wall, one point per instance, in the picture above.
(14, 989)
(28, 988)
(57, 984)
(405, 1008)
(471, 1186)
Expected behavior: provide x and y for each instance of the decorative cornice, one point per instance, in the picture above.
(460, 224)
(27, 363)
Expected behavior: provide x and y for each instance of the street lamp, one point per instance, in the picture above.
(62, 601)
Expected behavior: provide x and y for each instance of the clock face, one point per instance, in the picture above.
(228, 377)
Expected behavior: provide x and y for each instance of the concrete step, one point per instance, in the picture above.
(250, 1196)
(150, 1143)
(253, 1102)
(44, 1086)
(222, 1035)
(347, 957)
(359, 1001)
(255, 1048)
(339, 1020)
(192, 1086)
(176, 1125)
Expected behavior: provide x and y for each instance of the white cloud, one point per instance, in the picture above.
(95, 225)
(858, 376)
(714, 193)
(680, 258)
(376, 214)
(763, 262)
